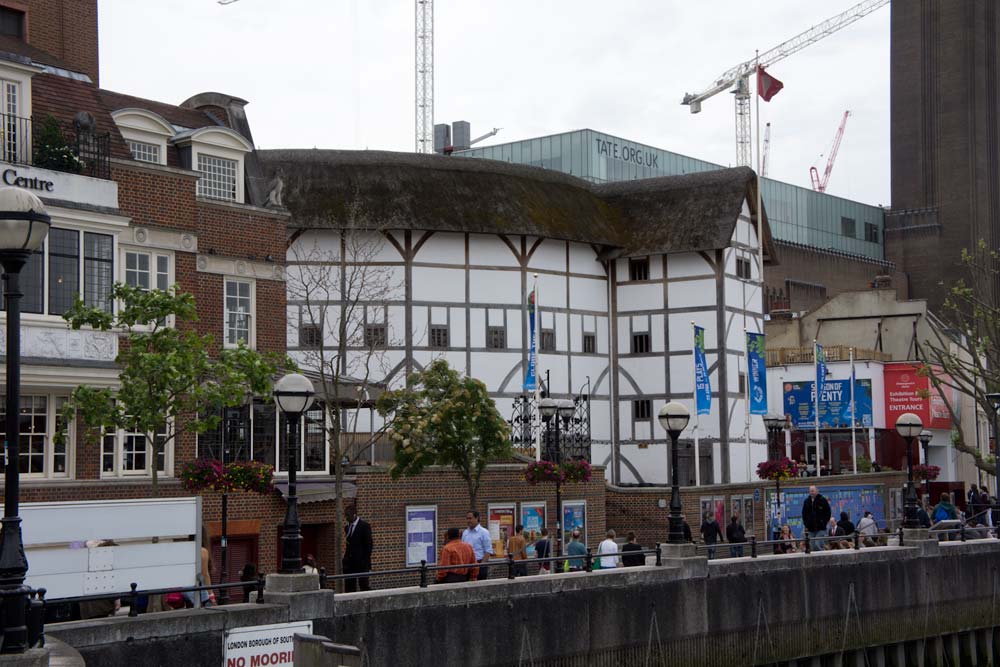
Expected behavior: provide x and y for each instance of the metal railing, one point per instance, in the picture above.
(424, 570)
(87, 152)
(131, 597)
(782, 356)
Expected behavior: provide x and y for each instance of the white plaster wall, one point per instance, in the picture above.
(688, 264)
(550, 255)
(583, 259)
(442, 248)
(495, 287)
(493, 366)
(647, 372)
(640, 296)
(588, 294)
(488, 250)
(434, 284)
(692, 293)
(551, 290)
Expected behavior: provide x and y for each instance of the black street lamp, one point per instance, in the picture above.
(925, 442)
(23, 227)
(909, 426)
(233, 432)
(775, 424)
(294, 394)
(674, 419)
(549, 408)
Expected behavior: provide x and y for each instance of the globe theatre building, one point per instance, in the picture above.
(452, 249)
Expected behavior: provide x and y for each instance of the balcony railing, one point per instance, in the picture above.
(782, 356)
(73, 149)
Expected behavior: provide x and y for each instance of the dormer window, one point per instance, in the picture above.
(218, 153)
(218, 177)
(11, 23)
(146, 134)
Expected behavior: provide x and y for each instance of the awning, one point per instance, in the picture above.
(317, 492)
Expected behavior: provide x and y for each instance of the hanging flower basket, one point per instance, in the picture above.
(780, 469)
(210, 475)
(574, 471)
(922, 471)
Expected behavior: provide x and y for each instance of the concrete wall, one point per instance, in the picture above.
(730, 612)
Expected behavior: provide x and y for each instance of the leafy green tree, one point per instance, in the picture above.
(965, 344)
(444, 418)
(169, 377)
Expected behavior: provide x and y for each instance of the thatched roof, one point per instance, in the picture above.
(386, 190)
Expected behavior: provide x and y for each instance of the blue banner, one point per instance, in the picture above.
(820, 365)
(834, 404)
(855, 500)
(531, 377)
(703, 387)
(757, 373)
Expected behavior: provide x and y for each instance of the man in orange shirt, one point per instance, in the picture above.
(456, 552)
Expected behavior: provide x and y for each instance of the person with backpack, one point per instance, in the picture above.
(736, 534)
(944, 510)
(711, 534)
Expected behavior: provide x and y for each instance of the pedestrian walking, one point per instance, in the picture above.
(815, 517)
(576, 547)
(543, 549)
(630, 559)
(868, 529)
(845, 524)
(478, 538)
(517, 547)
(711, 534)
(736, 534)
(459, 556)
(608, 550)
(358, 548)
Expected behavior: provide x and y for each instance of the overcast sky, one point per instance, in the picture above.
(340, 73)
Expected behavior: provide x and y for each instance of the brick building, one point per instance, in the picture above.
(152, 194)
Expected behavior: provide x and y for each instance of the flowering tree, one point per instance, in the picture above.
(444, 418)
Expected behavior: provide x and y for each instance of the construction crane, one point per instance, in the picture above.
(820, 185)
(424, 62)
(737, 79)
(766, 151)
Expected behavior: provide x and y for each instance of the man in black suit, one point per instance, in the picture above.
(357, 550)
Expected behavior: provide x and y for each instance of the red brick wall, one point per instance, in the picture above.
(637, 508)
(66, 29)
(382, 502)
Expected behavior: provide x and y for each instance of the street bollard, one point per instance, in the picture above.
(808, 542)
(423, 574)
(510, 566)
(753, 546)
(133, 599)
(322, 578)
(260, 589)
(588, 561)
(659, 555)
(857, 541)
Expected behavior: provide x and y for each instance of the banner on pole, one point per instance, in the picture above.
(531, 377)
(703, 387)
(757, 373)
(820, 365)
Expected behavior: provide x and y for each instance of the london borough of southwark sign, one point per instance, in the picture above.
(263, 645)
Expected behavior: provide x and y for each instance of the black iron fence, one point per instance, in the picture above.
(75, 148)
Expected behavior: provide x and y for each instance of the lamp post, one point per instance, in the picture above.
(233, 430)
(294, 394)
(775, 424)
(925, 438)
(549, 408)
(909, 426)
(23, 227)
(674, 419)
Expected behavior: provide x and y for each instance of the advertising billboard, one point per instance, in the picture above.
(855, 500)
(834, 404)
(907, 389)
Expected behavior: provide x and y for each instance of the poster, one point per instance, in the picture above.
(500, 523)
(574, 518)
(908, 390)
(855, 500)
(716, 507)
(421, 534)
(757, 365)
(533, 520)
(834, 404)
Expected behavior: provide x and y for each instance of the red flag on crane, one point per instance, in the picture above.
(767, 85)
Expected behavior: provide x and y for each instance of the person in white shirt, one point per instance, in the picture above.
(608, 552)
(868, 529)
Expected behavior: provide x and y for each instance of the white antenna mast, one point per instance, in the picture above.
(424, 94)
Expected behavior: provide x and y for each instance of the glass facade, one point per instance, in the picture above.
(796, 214)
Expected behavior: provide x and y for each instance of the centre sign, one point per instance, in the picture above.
(10, 177)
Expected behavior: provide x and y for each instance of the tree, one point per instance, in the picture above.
(334, 286)
(965, 345)
(444, 418)
(169, 378)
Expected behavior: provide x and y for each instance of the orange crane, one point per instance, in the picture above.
(820, 185)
